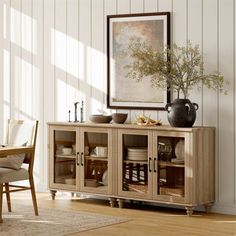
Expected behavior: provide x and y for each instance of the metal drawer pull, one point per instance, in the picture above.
(149, 164)
(154, 165)
(77, 158)
(81, 158)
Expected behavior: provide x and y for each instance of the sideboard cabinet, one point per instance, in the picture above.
(158, 164)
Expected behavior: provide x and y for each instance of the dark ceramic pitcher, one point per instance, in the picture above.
(181, 113)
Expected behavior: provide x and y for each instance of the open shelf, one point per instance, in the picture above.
(66, 156)
(170, 164)
(135, 162)
(93, 158)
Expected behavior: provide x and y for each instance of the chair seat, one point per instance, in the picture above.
(9, 175)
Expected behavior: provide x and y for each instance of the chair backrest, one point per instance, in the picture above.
(22, 133)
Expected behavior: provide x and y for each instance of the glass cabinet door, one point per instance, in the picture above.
(64, 158)
(96, 160)
(170, 162)
(134, 160)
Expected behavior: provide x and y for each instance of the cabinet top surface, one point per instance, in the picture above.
(127, 126)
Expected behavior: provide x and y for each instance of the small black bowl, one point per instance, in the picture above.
(100, 119)
(119, 118)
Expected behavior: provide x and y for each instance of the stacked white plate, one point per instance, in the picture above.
(137, 154)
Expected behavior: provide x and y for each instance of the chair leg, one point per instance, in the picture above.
(1, 193)
(31, 180)
(8, 197)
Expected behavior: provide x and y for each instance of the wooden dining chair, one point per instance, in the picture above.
(19, 149)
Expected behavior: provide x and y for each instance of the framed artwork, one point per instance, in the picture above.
(122, 92)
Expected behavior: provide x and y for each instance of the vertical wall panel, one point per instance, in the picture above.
(137, 6)
(179, 19)
(1, 73)
(109, 9)
(37, 59)
(85, 53)
(210, 58)
(49, 61)
(26, 85)
(234, 99)
(97, 57)
(48, 74)
(6, 47)
(15, 14)
(38, 92)
(194, 30)
(166, 6)
(60, 49)
(151, 6)
(226, 121)
(124, 7)
(72, 55)
(54, 53)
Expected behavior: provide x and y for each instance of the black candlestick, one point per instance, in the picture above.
(76, 120)
(82, 112)
(69, 115)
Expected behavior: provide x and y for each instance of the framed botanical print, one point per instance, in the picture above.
(124, 93)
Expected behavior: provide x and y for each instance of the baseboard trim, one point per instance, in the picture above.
(216, 208)
(42, 188)
(222, 209)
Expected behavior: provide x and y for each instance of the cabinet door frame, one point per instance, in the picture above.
(81, 142)
(51, 183)
(189, 169)
(130, 194)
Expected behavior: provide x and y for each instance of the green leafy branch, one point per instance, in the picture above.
(181, 68)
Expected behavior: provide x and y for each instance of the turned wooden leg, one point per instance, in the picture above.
(208, 206)
(1, 193)
(112, 201)
(8, 197)
(53, 194)
(120, 202)
(189, 210)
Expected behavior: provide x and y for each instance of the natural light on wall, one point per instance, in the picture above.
(27, 89)
(5, 16)
(75, 61)
(61, 100)
(22, 30)
(26, 97)
(97, 68)
(60, 50)
(64, 46)
(6, 86)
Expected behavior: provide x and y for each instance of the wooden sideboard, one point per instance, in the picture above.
(158, 164)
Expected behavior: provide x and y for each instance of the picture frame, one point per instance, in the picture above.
(124, 93)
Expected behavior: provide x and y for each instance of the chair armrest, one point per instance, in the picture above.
(5, 151)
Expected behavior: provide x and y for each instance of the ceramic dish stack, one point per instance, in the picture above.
(137, 154)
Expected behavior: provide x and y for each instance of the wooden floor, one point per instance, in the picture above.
(144, 220)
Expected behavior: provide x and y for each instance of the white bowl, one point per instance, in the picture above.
(105, 178)
(70, 181)
(67, 151)
(179, 150)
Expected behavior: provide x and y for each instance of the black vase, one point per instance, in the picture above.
(181, 113)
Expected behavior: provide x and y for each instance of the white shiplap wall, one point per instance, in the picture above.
(53, 53)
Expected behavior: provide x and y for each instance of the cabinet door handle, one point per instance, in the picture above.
(81, 158)
(154, 165)
(77, 158)
(149, 164)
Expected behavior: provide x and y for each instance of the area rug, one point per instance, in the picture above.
(23, 222)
